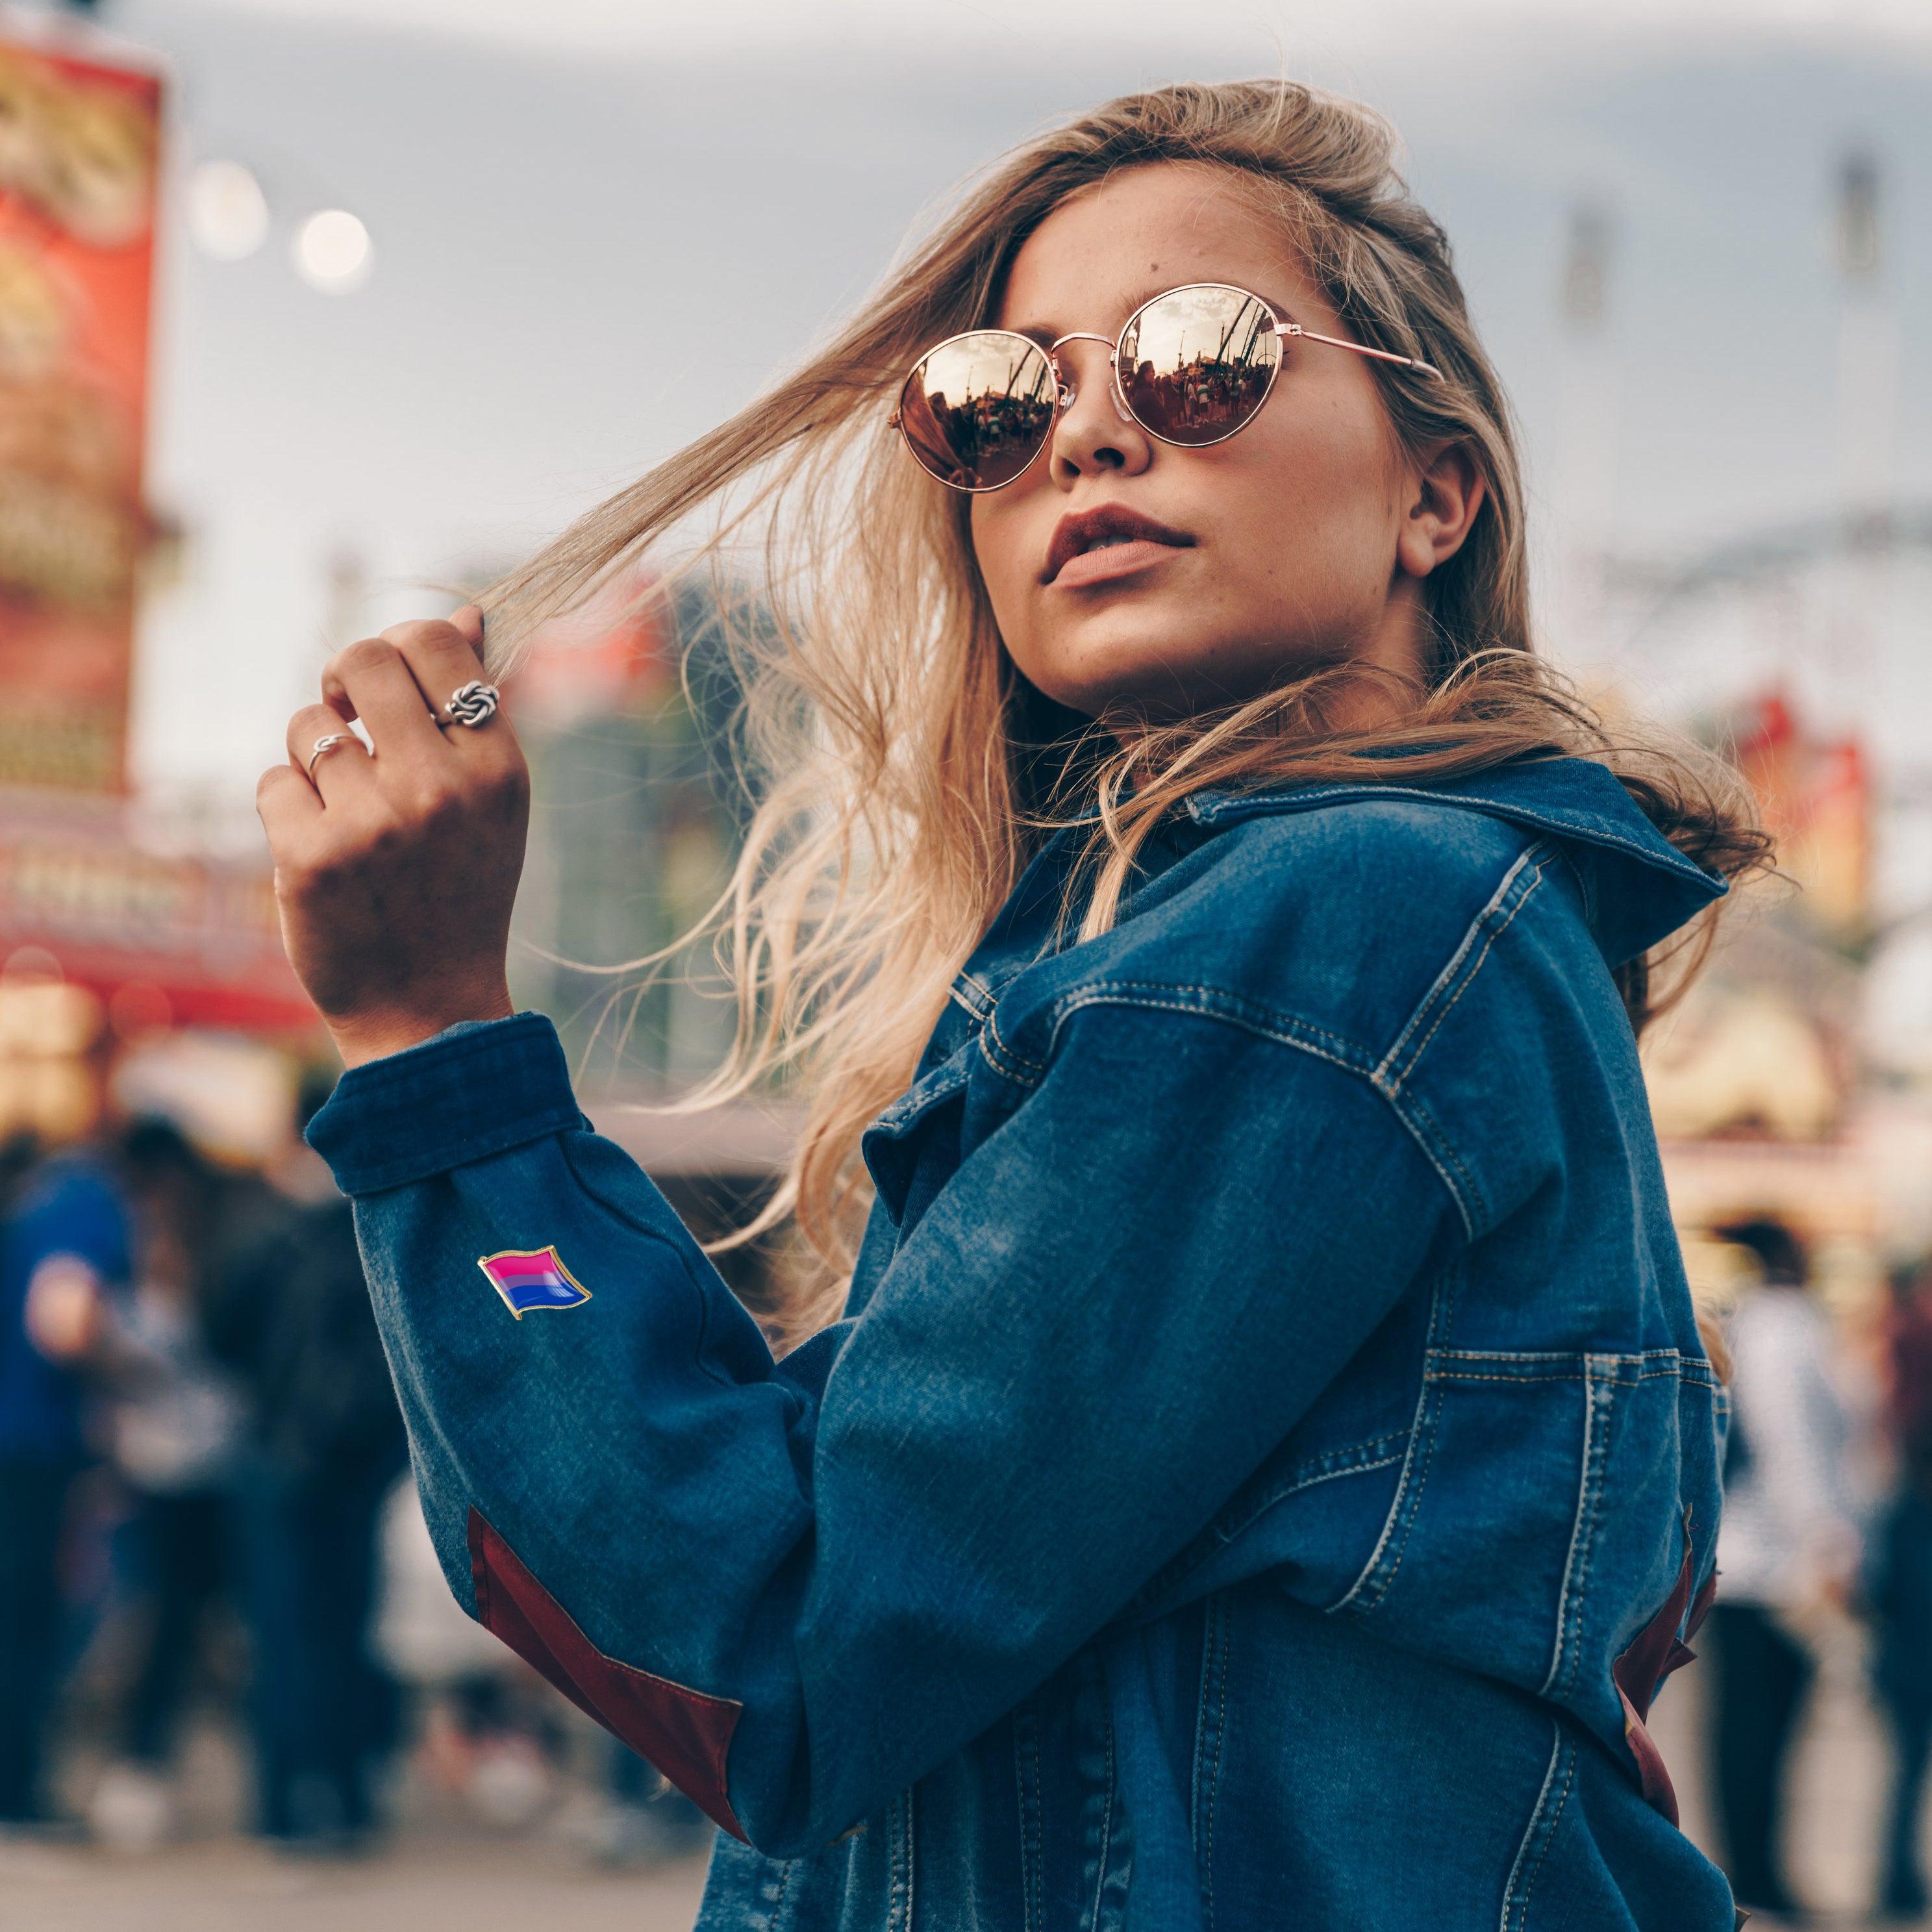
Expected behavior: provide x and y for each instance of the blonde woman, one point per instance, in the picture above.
(1245, 1455)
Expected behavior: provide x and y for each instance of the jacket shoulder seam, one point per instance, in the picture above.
(1264, 1022)
(1458, 973)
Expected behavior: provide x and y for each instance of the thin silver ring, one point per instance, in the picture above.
(472, 704)
(326, 743)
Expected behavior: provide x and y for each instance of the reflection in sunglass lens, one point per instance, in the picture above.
(978, 410)
(1196, 363)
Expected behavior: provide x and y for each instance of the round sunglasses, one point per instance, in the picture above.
(1192, 367)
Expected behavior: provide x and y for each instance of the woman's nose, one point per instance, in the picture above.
(1091, 431)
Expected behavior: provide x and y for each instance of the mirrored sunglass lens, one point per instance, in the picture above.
(976, 411)
(1195, 365)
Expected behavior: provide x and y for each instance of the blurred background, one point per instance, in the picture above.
(316, 313)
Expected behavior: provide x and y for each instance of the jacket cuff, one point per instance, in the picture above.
(477, 1088)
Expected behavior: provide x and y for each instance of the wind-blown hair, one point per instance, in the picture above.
(902, 767)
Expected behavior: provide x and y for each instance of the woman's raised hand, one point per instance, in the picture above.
(395, 872)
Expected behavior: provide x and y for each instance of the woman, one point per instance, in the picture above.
(1261, 1461)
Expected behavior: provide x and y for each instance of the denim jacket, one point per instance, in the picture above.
(1267, 1465)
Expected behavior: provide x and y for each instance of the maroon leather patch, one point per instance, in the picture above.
(1643, 1665)
(686, 1734)
(1653, 1775)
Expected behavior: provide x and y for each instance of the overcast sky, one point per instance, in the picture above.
(955, 26)
(562, 191)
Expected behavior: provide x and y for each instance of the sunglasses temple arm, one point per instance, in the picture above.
(1358, 348)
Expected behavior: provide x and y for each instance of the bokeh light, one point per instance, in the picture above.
(227, 213)
(332, 251)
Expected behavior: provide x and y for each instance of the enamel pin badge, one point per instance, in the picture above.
(528, 1278)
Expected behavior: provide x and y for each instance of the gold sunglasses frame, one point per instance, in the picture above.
(1066, 392)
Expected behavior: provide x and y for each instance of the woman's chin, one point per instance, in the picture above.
(1149, 676)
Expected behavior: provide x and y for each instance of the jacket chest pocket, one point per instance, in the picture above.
(913, 1149)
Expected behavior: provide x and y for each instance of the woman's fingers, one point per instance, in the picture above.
(441, 658)
(288, 806)
(341, 768)
(372, 680)
(398, 685)
(396, 865)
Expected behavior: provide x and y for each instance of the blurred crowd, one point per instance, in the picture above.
(1826, 1543)
(205, 1511)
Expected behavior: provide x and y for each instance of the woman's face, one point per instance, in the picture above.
(1302, 540)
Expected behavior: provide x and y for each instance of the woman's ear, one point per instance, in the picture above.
(1444, 500)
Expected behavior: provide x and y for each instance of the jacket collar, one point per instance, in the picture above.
(1638, 889)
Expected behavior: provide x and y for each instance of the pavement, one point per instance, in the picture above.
(231, 1885)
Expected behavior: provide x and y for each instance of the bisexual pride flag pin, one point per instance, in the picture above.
(529, 1278)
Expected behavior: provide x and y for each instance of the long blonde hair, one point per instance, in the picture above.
(903, 769)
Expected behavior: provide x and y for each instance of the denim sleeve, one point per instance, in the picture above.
(797, 1586)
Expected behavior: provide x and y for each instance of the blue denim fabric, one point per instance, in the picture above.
(1268, 1407)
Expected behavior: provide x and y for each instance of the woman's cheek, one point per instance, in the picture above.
(1000, 550)
(993, 551)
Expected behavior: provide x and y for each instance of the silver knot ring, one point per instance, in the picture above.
(322, 746)
(472, 704)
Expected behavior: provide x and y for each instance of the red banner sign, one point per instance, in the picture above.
(79, 144)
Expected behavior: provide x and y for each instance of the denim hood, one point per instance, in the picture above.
(1638, 888)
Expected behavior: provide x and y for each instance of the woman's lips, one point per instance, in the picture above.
(1099, 566)
(1110, 529)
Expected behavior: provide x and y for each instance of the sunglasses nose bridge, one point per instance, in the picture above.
(1068, 389)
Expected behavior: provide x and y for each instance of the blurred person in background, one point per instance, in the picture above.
(289, 1317)
(1788, 1550)
(172, 1420)
(1898, 1590)
(647, 1820)
(484, 1724)
(1229, 943)
(1906, 1346)
(64, 1248)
